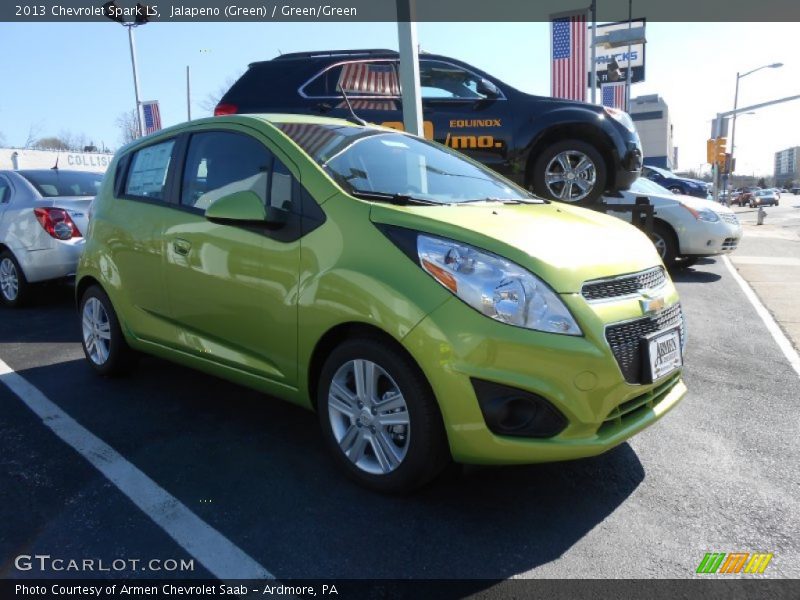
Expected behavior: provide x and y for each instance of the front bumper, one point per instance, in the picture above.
(579, 376)
(700, 238)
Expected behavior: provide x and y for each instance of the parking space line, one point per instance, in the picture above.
(209, 547)
(772, 326)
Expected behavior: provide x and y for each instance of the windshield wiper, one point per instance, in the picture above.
(505, 200)
(400, 199)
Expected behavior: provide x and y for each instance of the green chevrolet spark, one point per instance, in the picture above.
(426, 308)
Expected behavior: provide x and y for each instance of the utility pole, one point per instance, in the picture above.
(593, 54)
(409, 67)
(188, 96)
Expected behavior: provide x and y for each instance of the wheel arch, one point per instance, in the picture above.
(341, 333)
(671, 229)
(83, 284)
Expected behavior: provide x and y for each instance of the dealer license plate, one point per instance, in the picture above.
(664, 353)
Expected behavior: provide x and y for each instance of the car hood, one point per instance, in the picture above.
(563, 245)
(669, 200)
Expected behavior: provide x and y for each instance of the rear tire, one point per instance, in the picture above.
(103, 342)
(14, 288)
(386, 433)
(571, 171)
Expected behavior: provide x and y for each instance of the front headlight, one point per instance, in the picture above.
(620, 116)
(494, 286)
(704, 214)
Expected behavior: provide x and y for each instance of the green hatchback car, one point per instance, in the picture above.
(428, 309)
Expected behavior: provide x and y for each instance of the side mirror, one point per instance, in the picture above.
(487, 88)
(245, 207)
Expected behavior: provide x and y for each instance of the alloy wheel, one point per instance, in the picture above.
(96, 331)
(570, 176)
(9, 279)
(369, 417)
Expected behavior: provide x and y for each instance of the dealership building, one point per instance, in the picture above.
(651, 115)
(787, 165)
(20, 158)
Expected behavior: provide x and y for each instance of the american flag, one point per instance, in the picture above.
(614, 95)
(568, 33)
(152, 117)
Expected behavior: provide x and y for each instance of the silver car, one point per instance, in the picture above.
(43, 217)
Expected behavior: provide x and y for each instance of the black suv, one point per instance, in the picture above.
(560, 149)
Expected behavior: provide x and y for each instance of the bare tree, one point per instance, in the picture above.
(128, 125)
(33, 134)
(209, 103)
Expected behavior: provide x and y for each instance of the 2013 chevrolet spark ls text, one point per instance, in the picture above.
(424, 306)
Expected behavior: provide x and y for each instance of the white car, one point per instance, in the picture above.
(43, 217)
(685, 228)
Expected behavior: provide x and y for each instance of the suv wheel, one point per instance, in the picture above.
(570, 171)
(676, 190)
(14, 288)
(379, 418)
(103, 342)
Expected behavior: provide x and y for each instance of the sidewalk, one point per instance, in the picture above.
(768, 258)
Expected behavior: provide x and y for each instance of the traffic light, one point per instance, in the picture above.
(719, 153)
(711, 150)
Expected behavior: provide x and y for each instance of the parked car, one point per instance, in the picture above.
(564, 150)
(743, 195)
(676, 183)
(685, 228)
(425, 313)
(796, 191)
(43, 216)
(764, 198)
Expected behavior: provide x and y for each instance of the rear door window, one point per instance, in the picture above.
(358, 79)
(147, 175)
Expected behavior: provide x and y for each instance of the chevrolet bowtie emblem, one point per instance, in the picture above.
(650, 302)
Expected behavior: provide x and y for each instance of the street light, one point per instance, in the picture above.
(736, 101)
(112, 11)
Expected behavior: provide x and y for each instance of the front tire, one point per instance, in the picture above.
(571, 171)
(14, 288)
(379, 418)
(666, 243)
(103, 343)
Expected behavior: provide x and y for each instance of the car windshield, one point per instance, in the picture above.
(53, 182)
(371, 161)
(644, 186)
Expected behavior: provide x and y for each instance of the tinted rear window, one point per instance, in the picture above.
(53, 182)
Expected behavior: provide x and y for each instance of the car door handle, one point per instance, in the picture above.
(182, 247)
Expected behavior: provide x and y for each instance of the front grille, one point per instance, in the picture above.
(730, 243)
(729, 218)
(624, 285)
(625, 339)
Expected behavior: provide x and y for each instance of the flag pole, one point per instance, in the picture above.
(630, 68)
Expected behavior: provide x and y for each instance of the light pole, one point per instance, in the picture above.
(112, 11)
(736, 103)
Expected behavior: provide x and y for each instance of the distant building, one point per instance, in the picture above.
(651, 115)
(787, 165)
(19, 158)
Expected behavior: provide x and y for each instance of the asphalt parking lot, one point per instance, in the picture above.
(719, 473)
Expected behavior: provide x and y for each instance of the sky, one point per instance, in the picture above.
(77, 76)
